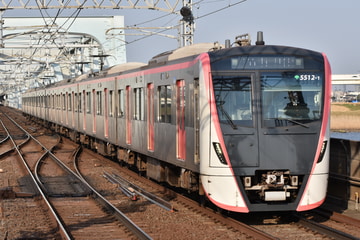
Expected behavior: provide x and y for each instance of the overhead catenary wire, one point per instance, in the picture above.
(50, 23)
(178, 25)
(53, 23)
(51, 28)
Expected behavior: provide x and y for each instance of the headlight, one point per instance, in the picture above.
(322, 151)
(219, 152)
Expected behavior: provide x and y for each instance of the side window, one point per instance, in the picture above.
(80, 102)
(139, 104)
(111, 103)
(93, 104)
(58, 101)
(76, 102)
(63, 101)
(99, 103)
(69, 102)
(164, 103)
(121, 104)
(88, 102)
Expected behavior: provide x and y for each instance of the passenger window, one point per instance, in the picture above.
(111, 103)
(88, 102)
(164, 103)
(80, 103)
(63, 102)
(121, 103)
(76, 102)
(139, 104)
(99, 103)
(69, 102)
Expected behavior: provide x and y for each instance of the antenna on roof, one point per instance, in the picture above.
(260, 38)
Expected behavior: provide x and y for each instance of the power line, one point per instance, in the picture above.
(221, 9)
(178, 25)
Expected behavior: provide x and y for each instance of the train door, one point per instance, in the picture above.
(128, 115)
(68, 108)
(150, 117)
(236, 110)
(72, 108)
(84, 107)
(63, 114)
(47, 106)
(180, 120)
(106, 113)
(94, 111)
(196, 122)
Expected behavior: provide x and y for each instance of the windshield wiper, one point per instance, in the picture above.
(298, 123)
(293, 121)
(228, 118)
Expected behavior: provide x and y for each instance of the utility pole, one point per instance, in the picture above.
(1, 28)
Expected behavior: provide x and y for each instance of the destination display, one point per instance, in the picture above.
(266, 62)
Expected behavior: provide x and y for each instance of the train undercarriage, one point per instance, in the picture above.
(155, 169)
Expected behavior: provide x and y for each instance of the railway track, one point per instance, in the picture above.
(273, 227)
(164, 214)
(137, 211)
(331, 224)
(181, 218)
(65, 194)
(314, 224)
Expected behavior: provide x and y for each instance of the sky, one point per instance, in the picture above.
(321, 25)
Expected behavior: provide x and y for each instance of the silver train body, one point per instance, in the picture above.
(248, 127)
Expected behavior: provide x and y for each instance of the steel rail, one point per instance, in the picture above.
(226, 220)
(136, 230)
(149, 196)
(7, 138)
(125, 189)
(104, 202)
(63, 231)
(330, 232)
(3, 142)
(338, 217)
(4, 139)
(344, 178)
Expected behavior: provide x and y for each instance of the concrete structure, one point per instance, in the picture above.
(39, 51)
(346, 87)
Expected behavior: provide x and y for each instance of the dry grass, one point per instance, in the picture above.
(345, 117)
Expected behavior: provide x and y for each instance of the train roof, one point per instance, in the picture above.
(111, 70)
(124, 67)
(184, 52)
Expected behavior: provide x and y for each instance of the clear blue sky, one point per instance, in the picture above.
(326, 26)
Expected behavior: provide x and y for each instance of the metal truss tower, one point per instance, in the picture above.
(17, 69)
(188, 25)
(164, 5)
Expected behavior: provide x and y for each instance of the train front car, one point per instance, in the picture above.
(268, 109)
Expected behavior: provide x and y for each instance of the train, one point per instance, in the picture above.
(244, 126)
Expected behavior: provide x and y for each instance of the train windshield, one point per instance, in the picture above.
(291, 97)
(233, 99)
(287, 90)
